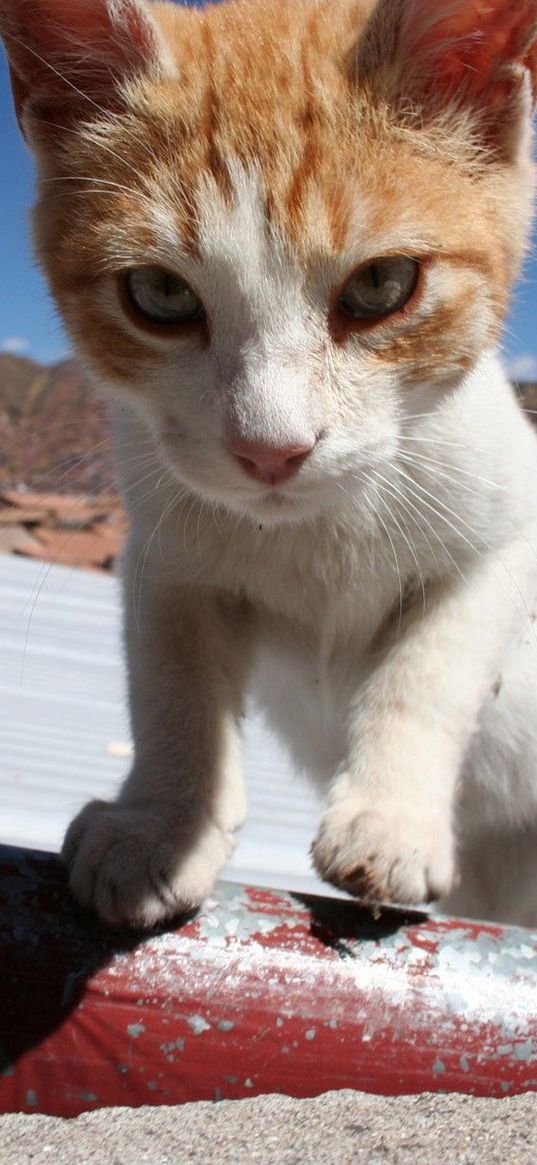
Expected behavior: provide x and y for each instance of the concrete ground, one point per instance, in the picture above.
(338, 1128)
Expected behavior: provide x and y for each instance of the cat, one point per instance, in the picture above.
(282, 235)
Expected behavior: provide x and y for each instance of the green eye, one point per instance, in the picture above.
(381, 288)
(161, 297)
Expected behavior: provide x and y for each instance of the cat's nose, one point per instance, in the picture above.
(271, 464)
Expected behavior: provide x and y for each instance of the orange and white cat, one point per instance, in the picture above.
(282, 235)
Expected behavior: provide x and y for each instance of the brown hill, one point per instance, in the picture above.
(53, 430)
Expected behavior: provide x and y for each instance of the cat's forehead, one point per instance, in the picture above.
(163, 193)
(243, 45)
(259, 133)
(266, 85)
(250, 106)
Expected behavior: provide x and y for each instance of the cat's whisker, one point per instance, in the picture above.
(432, 472)
(408, 418)
(193, 503)
(415, 515)
(215, 513)
(49, 429)
(478, 550)
(73, 461)
(136, 459)
(423, 518)
(380, 519)
(80, 460)
(201, 510)
(403, 502)
(430, 469)
(433, 441)
(460, 484)
(179, 495)
(414, 457)
(139, 572)
(416, 486)
(135, 482)
(411, 547)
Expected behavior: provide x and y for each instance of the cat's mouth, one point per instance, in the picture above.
(282, 505)
(277, 497)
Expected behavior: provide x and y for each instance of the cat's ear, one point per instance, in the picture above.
(479, 55)
(75, 54)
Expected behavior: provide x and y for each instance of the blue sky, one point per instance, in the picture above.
(29, 324)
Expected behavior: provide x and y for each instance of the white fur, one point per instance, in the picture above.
(377, 602)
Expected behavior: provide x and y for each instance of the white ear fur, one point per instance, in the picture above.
(65, 50)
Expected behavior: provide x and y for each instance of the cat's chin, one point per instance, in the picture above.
(279, 508)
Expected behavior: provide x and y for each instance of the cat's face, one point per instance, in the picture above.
(274, 242)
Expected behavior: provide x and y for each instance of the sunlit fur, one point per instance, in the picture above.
(383, 597)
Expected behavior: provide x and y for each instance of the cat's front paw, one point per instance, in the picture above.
(384, 854)
(133, 868)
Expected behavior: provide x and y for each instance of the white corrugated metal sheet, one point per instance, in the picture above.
(63, 714)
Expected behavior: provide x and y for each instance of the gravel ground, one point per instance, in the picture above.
(339, 1128)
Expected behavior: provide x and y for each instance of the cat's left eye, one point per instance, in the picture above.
(161, 297)
(380, 288)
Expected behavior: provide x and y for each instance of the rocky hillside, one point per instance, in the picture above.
(54, 432)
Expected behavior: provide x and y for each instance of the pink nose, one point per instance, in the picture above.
(269, 463)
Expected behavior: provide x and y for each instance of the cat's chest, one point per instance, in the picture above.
(320, 587)
(306, 671)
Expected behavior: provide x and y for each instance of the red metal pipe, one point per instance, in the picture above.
(260, 992)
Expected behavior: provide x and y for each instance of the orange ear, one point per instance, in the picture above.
(76, 50)
(477, 53)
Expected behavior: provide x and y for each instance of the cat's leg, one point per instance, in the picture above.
(387, 832)
(496, 815)
(158, 849)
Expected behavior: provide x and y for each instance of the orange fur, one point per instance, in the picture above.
(269, 84)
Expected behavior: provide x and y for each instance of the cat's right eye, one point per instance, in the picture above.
(162, 298)
(380, 288)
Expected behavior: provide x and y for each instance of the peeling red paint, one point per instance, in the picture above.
(260, 992)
